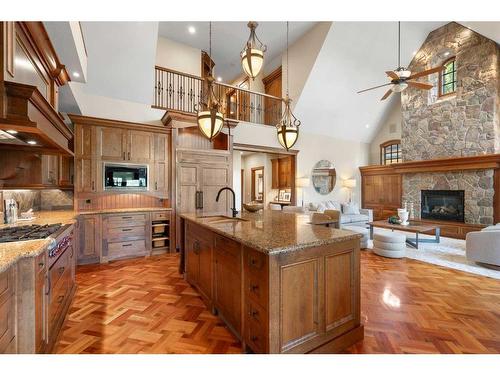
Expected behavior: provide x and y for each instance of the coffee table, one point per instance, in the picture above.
(414, 227)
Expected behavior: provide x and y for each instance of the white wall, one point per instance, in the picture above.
(257, 160)
(389, 128)
(346, 156)
(237, 178)
(178, 56)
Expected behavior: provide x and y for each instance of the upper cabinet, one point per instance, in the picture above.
(118, 144)
(283, 173)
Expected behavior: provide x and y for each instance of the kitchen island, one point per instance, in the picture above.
(281, 284)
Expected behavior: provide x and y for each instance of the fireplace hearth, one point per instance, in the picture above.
(442, 205)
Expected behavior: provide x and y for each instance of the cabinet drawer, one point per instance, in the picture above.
(59, 268)
(256, 288)
(126, 249)
(126, 220)
(126, 232)
(256, 337)
(255, 262)
(6, 287)
(256, 314)
(162, 215)
(58, 296)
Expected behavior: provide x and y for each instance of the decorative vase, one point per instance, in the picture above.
(403, 216)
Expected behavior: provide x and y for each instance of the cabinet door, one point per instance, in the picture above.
(205, 272)
(41, 328)
(86, 174)
(161, 167)
(84, 141)
(50, 170)
(187, 179)
(140, 146)
(7, 312)
(192, 259)
(112, 143)
(88, 239)
(212, 180)
(227, 281)
(299, 296)
(275, 182)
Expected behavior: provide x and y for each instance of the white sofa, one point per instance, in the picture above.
(350, 214)
(484, 246)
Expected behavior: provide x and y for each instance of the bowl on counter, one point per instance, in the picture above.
(253, 207)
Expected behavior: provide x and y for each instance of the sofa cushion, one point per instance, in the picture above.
(357, 218)
(345, 219)
(491, 227)
(332, 205)
(350, 208)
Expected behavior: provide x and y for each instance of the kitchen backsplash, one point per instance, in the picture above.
(40, 200)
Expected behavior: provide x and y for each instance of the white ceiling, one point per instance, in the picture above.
(229, 38)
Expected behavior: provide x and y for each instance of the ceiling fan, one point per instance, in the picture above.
(401, 78)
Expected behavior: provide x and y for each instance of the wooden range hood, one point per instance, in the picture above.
(28, 105)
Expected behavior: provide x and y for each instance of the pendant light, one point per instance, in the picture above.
(288, 126)
(252, 55)
(209, 117)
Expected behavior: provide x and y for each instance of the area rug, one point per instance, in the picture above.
(450, 252)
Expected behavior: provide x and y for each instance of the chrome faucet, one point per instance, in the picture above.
(235, 211)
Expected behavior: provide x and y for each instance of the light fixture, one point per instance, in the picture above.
(31, 142)
(219, 79)
(191, 30)
(399, 87)
(367, 126)
(252, 55)
(210, 118)
(288, 126)
(10, 131)
(76, 74)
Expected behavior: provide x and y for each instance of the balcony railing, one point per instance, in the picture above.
(182, 92)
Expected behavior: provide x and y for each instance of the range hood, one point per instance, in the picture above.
(29, 122)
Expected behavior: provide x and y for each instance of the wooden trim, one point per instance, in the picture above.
(96, 121)
(266, 149)
(491, 161)
(10, 45)
(177, 72)
(39, 38)
(440, 80)
(272, 76)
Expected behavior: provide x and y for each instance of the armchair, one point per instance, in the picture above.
(484, 246)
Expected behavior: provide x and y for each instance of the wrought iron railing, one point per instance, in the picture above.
(182, 92)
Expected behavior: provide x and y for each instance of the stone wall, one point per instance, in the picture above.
(478, 187)
(462, 124)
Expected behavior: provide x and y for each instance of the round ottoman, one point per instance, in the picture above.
(360, 230)
(389, 244)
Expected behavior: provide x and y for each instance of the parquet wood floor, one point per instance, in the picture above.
(144, 306)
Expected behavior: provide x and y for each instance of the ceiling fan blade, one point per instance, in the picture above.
(389, 92)
(376, 87)
(392, 75)
(426, 72)
(420, 85)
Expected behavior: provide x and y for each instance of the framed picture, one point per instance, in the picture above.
(281, 195)
(287, 197)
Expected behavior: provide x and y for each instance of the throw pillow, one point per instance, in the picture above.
(350, 209)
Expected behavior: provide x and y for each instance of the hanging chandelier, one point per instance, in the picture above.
(210, 118)
(252, 55)
(288, 126)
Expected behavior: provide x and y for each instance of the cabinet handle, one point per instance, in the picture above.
(201, 199)
(254, 288)
(126, 230)
(61, 270)
(41, 264)
(49, 285)
(253, 313)
(124, 155)
(126, 217)
(254, 338)
(129, 155)
(156, 185)
(93, 185)
(60, 299)
(127, 245)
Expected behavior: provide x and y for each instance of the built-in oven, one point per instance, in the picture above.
(120, 176)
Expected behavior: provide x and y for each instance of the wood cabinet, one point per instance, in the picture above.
(50, 170)
(66, 171)
(227, 281)
(118, 144)
(272, 107)
(283, 173)
(7, 311)
(381, 193)
(88, 239)
(161, 168)
(293, 302)
(41, 303)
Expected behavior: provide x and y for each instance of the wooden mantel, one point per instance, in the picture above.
(491, 161)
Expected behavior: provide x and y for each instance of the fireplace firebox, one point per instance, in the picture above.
(442, 205)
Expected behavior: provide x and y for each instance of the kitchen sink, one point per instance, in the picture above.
(222, 219)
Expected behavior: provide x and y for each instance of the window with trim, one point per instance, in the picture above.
(448, 78)
(390, 152)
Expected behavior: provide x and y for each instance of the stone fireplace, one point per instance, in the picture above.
(462, 124)
(442, 205)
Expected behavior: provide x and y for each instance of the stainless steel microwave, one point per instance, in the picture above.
(119, 176)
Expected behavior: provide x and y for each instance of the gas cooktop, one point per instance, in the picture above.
(28, 232)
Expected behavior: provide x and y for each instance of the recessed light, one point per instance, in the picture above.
(414, 53)
(219, 79)
(76, 74)
(367, 126)
(191, 29)
(12, 131)
(446, 54)
(31, 142)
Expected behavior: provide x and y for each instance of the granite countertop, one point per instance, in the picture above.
(11, 252)
(120, 210)
(273, 232)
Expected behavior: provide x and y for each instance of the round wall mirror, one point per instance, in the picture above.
(323, 177)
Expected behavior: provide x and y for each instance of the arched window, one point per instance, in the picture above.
(448, 78)
(390, 152)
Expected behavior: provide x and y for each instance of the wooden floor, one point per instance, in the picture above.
(144, 306)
